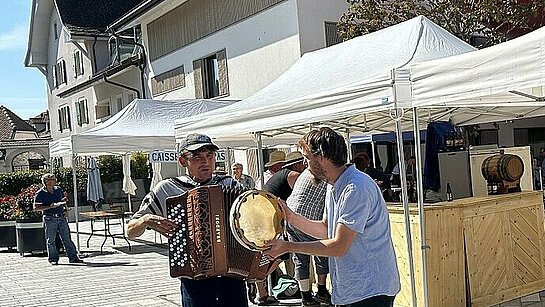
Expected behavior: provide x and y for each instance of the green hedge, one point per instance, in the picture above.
(13, 183)
(111, 169)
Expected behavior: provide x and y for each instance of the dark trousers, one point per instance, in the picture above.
(213, 292)
(375, 301)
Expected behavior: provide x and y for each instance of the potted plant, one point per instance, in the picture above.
(7, 222)
(28, 223)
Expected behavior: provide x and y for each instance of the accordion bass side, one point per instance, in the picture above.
(203, 245)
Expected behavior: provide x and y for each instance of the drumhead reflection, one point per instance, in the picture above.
(256, 217)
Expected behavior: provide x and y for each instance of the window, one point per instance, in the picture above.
(130, 98)
(118, 104)
(168, 81)
(210, 74)
(64, 119)
(488, 137)
(78, 63)
(59, 73)
(56, 30)
(81, 112)
(102, 109)
(331, 34)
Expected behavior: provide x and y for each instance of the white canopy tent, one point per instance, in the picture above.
(505, 81)
(335, 85)
(143, 125)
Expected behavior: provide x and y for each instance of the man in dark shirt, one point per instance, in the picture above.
(51, 200)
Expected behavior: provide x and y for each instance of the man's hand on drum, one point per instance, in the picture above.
(276, 248)
(160, 224)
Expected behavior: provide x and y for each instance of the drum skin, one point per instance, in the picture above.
(499, 168)
(256, 217)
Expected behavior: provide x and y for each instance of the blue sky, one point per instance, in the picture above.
(22, 90)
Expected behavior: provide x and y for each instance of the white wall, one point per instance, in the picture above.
(259, 49)
(312, 17)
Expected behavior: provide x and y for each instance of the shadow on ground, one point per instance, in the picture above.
(142, 249)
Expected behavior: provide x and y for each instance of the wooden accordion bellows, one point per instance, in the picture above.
(203, 245)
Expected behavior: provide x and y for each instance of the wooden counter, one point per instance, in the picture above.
(491, 247)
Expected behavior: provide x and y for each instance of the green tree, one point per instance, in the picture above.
(494, 20)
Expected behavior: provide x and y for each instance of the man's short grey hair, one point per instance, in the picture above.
(237, 164)
(47, 176)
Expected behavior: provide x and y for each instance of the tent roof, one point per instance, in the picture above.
(330, 85)
(497, 83)
(143, 125)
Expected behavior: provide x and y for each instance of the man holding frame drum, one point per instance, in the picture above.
(198, 156)
(355, 230)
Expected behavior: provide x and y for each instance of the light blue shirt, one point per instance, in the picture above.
(369, 268)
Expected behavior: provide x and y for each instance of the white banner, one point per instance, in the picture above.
(220, 156)
(163, 156)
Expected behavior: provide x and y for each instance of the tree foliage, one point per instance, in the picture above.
(494, 20)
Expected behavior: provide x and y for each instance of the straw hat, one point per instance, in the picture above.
(293, 158)
(276, 157)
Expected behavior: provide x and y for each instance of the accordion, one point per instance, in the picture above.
(203, 245)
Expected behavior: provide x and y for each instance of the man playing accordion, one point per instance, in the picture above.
(198, 156)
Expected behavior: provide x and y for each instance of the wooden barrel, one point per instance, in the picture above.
(499, 168)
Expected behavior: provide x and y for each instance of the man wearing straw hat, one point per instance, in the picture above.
(276, 161)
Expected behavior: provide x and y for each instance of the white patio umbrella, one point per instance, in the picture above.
(94, 184)
(128, 185)
(156, 167)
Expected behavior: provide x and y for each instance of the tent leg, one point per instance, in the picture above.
(348, 144)
(260, 168)
(373, 152)
(403, 175)
(76, 205)
(420, 196)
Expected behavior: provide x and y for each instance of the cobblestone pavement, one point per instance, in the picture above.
(118, 277)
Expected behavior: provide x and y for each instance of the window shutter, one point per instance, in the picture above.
(222, 71)
(54, 75)
(64, 71)
(75, 65)
(60, 120)
(78, 112)
(85, 112)
(68, 119)
(197, 75)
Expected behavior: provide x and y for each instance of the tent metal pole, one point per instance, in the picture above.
(405, 198)
(260, 167)
(420, 199)
(348, 144)
(373, 152)
(76, 205)
(227, 162)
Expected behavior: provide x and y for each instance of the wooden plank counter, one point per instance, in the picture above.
(487, 250)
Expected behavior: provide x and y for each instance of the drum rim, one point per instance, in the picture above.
(233, 221)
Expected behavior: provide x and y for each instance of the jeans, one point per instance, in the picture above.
(53, 225)
(213, 292)
(375, 301)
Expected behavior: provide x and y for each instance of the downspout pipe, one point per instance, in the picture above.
(138, 94)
